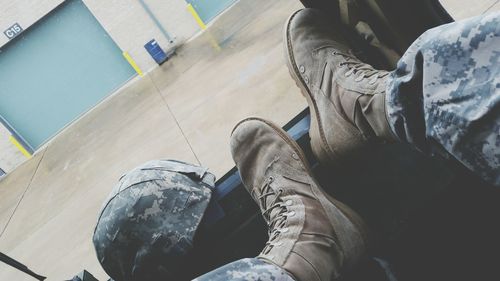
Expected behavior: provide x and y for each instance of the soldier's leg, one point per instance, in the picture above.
(445, 94)
(247, 269)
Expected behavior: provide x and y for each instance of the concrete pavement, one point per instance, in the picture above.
(183, 110)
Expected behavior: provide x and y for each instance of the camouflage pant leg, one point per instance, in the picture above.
(445, 94)
(247, 269)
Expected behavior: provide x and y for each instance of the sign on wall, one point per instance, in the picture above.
(13, 31)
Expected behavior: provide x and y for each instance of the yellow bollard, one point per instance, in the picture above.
(202, 25)
(133, 64)
(19, 146)
(196, 17)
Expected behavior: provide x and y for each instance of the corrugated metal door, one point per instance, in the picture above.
(56, 70)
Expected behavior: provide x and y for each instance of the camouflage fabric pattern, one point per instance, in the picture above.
(445, 94)
(247, 269)
(146, 227)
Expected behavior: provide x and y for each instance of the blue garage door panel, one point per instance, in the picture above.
(208, 9)
(56, 70)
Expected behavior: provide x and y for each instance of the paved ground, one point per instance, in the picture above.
(183, 110)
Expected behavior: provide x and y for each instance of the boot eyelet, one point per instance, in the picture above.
(302, 69)
(289, 202)
(284, 230)
(306, 79)
(279, 243)
(295, 156)
(291, 214)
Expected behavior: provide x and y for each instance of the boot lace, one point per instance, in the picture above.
(361, 69)
(270, 199)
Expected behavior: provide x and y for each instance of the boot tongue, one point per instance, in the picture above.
(278, 174)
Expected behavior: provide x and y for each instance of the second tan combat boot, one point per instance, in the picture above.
(311, 235)
(346, 96)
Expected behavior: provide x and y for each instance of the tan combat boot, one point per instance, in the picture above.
(311, 235)
(346, 96)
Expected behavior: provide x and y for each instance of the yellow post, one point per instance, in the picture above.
(196, 17)
(212, 40)
(133, 64)
(19, 146)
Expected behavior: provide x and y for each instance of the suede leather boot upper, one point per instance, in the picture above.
(345, 95)
(311, 235)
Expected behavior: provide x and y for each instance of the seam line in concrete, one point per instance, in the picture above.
(491, 6)
(175, 119)
(24, 193)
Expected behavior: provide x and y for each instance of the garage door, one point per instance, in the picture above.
(56, 70)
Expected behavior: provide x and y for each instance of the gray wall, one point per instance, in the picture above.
(131, 27)
(24, 12)
(125, 20)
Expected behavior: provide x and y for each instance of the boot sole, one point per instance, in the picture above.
(324, 197)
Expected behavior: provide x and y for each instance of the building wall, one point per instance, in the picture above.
(174, 16)
(24, 12)
(126, 21)
(131, 27)
(10, 156)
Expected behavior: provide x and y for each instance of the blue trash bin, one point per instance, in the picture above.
(156, 52)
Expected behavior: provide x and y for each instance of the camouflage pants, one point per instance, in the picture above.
(445, 94)
(247, 269)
